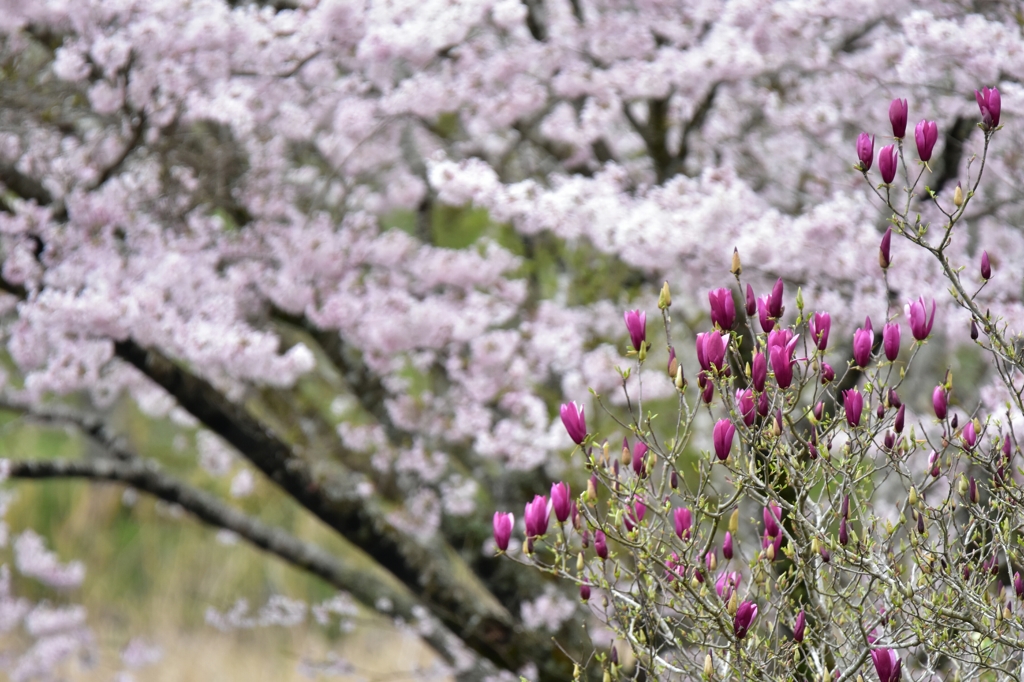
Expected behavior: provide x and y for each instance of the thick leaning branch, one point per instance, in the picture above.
(369, 587)
(336, 495)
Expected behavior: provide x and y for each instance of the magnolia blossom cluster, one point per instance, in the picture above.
(878, 543)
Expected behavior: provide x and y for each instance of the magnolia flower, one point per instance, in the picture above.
(820, 324)
(887, 163)
(891, 340)
(561, 501)
(862, 341)
(683, 520)
(536, 516)
(865, 150)
(503, 522)
(636, 324)
(990, 104)
(723, 311)
(920, 322)
(722, 435)
(898, 117)
(798, 627)
(575, 421)
(744, 618)
(853, 403)
(887, 664)
(925, 135)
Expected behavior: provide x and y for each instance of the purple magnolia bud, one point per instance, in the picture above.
(536, 516)
(900, 416)
(782, 362)
(972, 488)
(820, 324)
(575, 422)
(673, 363)
(575, 515)
(727, 545)
(763, 404)
(990, 104)
(758, 371)
(600, 544)
(767, 323)
(969, 436)
(744, 618)
(887, 159)
(939, 402)
(862, 340)
(723, 312)
(614, 656)
(819, 410)
(920, 322)
(683, 520)
(634, 515)
(826, 555)
(884, 259)
(751, 302)
(974, 330)
(798, 627)
(986, 266)
(1006, 447)
(844, 507)
(711, 348)
(865, 150)
(887, 664)
(844, 533)
(727, 583)
(853, 403)
(1018, 585)
(723, 435)
(880, 410)
(775, 307)
(889, 440)
(636, 324)
(585, 538)
(561, 501)
(827, 373)
(925, 135)
(745, 405)
(772, 515)
(891, 340)
(639, 457)
(898, 117)
(503, 522)
(585, 592)
(954, 421)
(708, 393)
(933, 464)
(673, 480)
(894, 399)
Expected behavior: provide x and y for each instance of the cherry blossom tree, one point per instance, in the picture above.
(220, 209)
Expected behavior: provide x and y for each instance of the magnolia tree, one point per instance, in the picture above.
(243, 215)
(876, 544)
